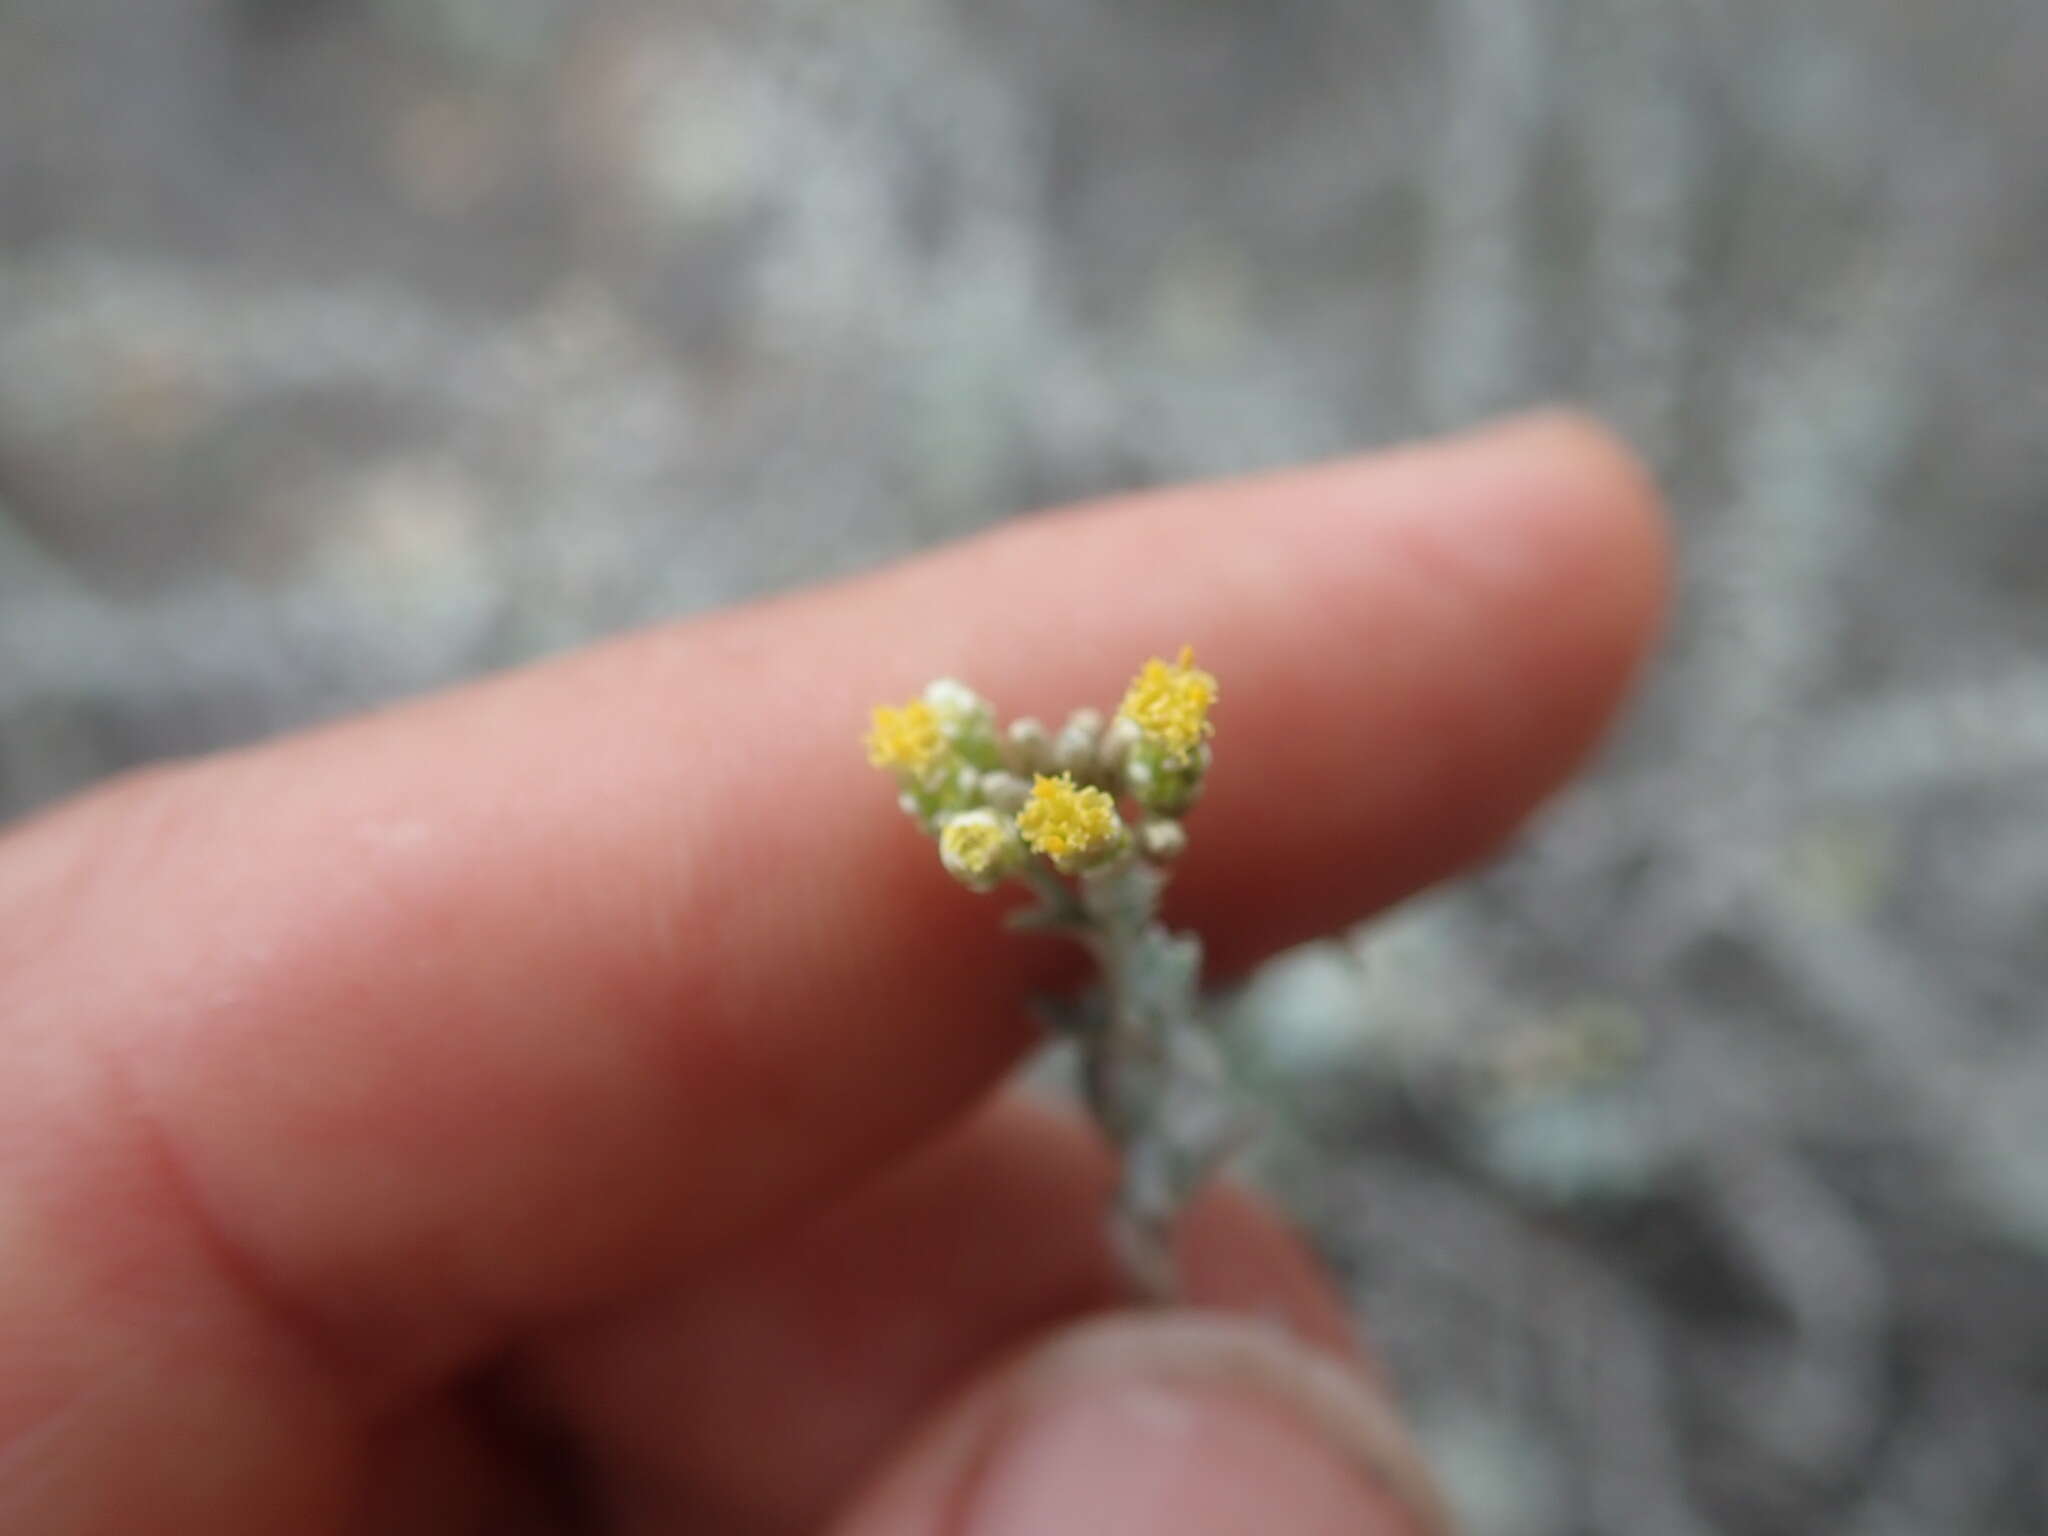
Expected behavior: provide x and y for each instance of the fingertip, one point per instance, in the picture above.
(1444, 633)
(1606, 511)
(506, 980)
(1185, 1422)
(1603, 518)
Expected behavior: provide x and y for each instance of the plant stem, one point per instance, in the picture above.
(1150, 1075)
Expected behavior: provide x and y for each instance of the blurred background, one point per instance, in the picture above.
(1692, 1162)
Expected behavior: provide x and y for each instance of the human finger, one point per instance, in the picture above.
(757, 1395)
(380, 1046)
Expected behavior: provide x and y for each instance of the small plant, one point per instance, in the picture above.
(1089, 819)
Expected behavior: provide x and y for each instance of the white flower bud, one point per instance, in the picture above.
(1115, 749)
(1005, 791)
(1027, 748)
(1074, 751)
(979, 848)
(959, 709)
(1162, 841)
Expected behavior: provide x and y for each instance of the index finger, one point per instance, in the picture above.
(453, 1020)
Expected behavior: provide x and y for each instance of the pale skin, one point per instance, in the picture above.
(565, 1103)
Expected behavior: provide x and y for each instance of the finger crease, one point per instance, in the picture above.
(241, 1274)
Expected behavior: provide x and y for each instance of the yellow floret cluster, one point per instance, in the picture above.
(1169, 703)
(1085, 798)
(1069, 823)
(908, 739)
(975, 846)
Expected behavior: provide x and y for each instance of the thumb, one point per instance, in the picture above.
(1195, 1424)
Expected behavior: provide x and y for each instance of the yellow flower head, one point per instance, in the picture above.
(907, 739)
(1169, 702)
(978, 848)
(1073, 825)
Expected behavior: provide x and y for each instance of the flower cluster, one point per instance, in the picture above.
(1074, 825)
(938, 745)
(907, 739)
(1081, 799)
(1099, 800)
(1167, 706)
(1169, 703)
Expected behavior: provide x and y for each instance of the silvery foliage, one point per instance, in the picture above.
(1690, 1162)
(1146, 1062)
